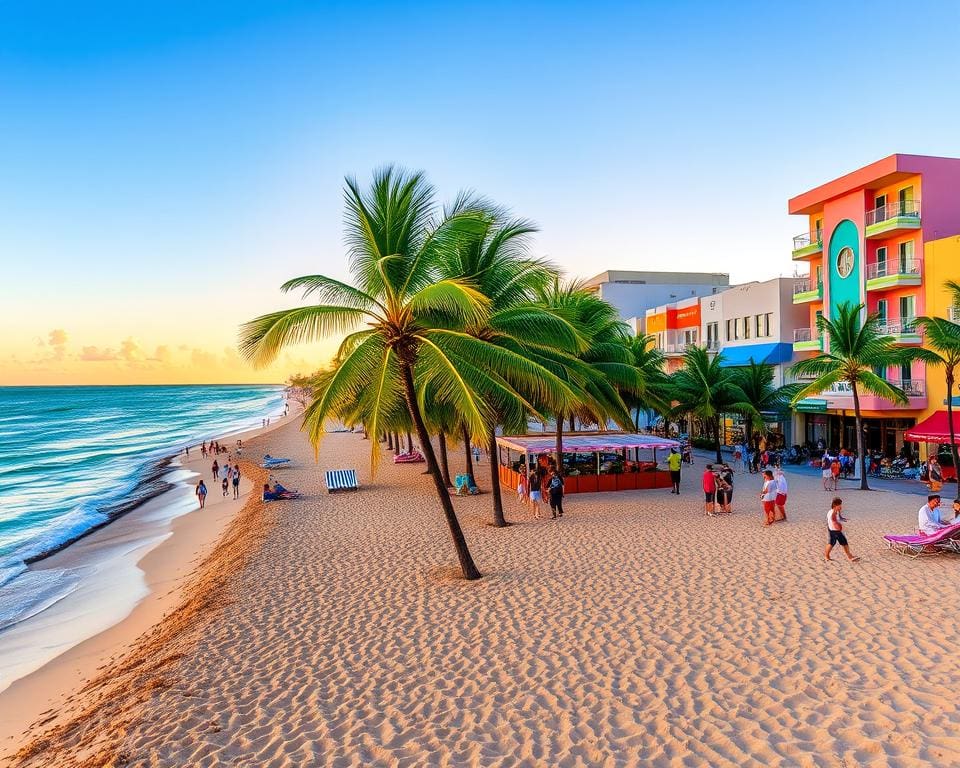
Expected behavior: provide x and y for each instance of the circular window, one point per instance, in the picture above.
(845, 261)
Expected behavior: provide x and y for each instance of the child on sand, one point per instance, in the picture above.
(768, 496)
(225, 487)
(835, 520)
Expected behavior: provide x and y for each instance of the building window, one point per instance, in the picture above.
(767, 322)
(746, 327)
(713, 335)
(908, 309)
(758, 326)
(881, 262)
(906, 257)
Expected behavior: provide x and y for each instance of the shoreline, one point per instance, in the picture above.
(165, 551)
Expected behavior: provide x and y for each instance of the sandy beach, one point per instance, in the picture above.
(334, 630)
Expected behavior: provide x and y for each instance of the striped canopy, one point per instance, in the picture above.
(584, 443)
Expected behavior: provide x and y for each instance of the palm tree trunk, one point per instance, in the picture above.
(573, 423)
(716, 435)
(389, 441)
(466, 447)
(409, 442)
(861, 455)
(953, 437)
(636, 420)
(560, 442)
(444, 464)
(499, 521)
(467, 566)
(397, 445)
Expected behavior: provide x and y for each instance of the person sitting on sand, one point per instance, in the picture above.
(835, 520)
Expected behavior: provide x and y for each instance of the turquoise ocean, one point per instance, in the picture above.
(74, 458)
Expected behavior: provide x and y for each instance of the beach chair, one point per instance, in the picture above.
(272, 462)
(342, 480)
(920, 544)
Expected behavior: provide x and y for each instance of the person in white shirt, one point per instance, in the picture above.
(930, 518)
(768, 496)
(835, 520)
(781, 500)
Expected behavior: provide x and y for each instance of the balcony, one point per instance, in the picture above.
(840, 395)
(671, 350)
(905, 331)
(893, 273)
(897, 218)
(805, 291)
(953, 314)
(806, 245)
(911, 388)
(807, 340)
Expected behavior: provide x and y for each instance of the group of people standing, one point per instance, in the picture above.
(543, 480)
(717, 483)
(226, 476)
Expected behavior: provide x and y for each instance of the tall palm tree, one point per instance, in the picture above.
(600, 373)
(943, 338)
(405, 325)
(704, 388)
(856, 348)
(652, 394)
(496, 262)
(756, 382)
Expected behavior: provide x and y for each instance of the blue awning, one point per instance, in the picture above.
(772, 353)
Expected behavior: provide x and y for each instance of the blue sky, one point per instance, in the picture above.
(164, 163)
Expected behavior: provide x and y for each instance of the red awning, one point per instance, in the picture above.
(935, 429)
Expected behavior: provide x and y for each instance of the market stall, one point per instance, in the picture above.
(592, 461)
(935, 430)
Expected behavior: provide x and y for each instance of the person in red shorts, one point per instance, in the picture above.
(709, 490)
(768, 497)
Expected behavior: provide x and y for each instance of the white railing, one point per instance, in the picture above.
(910, 387)
(807, 238)
(904, 326)
(953, 314)
(804, 286)
(894, 266)
(900, 209)
(803, 334)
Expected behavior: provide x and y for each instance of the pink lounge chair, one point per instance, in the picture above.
(409, 458)
(919, 544)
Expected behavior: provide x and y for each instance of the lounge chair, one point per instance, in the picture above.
(409, 458)
(270, 462)
(919, 544)
(342, 480)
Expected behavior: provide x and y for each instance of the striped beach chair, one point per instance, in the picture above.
(342, 480)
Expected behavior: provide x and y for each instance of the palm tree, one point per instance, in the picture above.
(652, 394)
(404, 324)
(756, 382)
(944, 338)
(496, 262)
(598, 374)
(857, 348)
(704, 388)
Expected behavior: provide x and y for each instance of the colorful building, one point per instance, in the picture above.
(674, 327)
(876, 237)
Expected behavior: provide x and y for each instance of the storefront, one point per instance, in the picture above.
(839, 431)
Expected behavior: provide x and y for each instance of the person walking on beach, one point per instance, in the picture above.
(225, 487)
(825, 472)
(709, 490)
(522, 486)
(203, 449)
(216, 470)
(768, 497)
(201, 493)
(225, 471)
(555, 487)
(673, 462)
(534, 484)
(781, 500)
(835, 520)
(835, 472)
(236, 482)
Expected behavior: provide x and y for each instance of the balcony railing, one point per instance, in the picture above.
(806, 239)
(803, 334)
(805, 286)
(953, 314)
(891, 267)
(909, 209)
(905, 326)
(910, 387)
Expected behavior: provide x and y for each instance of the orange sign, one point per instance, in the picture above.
(689, 317)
